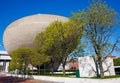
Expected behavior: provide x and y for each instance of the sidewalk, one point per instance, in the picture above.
(10, 79)
(51, 79)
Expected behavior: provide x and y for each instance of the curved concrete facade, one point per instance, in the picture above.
(22, 32)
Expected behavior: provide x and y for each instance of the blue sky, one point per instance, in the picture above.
(12, 10)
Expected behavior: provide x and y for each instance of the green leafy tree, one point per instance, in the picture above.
(13, 63)
(22, 57)
(39, 41)
(116, 62)
(39, 59)
(59, 40)
(99, 20)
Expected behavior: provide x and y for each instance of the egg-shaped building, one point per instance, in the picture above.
(21, 33)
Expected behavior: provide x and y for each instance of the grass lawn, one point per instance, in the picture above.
(56, 75)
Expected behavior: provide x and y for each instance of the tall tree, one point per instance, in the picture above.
(59, 40)
(44, 49)
(99, 19)
(22, 57)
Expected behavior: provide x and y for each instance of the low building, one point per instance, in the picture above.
(113, 57)
(73, 63)
(4, 61)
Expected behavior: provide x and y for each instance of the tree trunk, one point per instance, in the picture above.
(97, 70)
(39, 70)
(96, 65)
(44, 69)
(63, 69)
(101, 68)
(52, 68)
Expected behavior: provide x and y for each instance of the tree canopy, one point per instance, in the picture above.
(99, 21)
(59, 40)
(22, 57)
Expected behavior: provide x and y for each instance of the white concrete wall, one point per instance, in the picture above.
(87, 67)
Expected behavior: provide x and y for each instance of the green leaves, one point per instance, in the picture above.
(116, 62)
(22, 57)
(59, 39)
(98, 21)
(100, 15)
(39, 59)
(59, 36)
